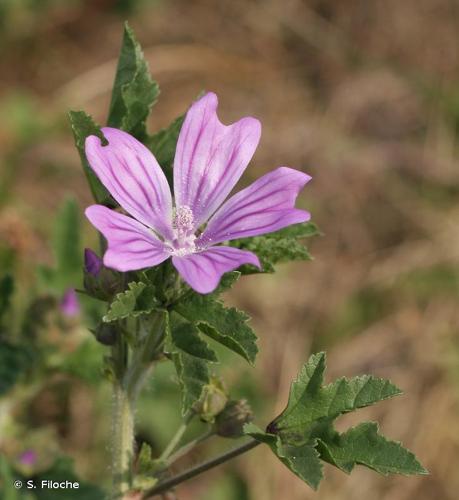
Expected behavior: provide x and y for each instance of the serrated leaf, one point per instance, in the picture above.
(163, 145)
(193, 375)
(14, 360)
(304, 431)
(138, 299)
(304, 460)
(280, 246)
(310, 402)
(228, 326)
(365, 446)
(134, 91)
(82, 127)
(303, 230)
(226, 283)
(185, 337)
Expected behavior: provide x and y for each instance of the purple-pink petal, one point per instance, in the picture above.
(211, 157)
(265, 206)
(131, 245)
(203, 270)
(133, 177)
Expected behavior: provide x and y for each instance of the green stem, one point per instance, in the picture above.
(188, 447)
(173, 443)
(129, 379)
(143, 356)
(123, 441)
(168, 484)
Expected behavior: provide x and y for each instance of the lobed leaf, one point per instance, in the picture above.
(193, 375)
(280, 246)
(138, 299)
(365, 446)
(304, 434)
(309, 401)
(185, 336)
(134, 91)
(303, 461)
(228, 326)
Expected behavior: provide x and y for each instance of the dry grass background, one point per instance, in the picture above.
(362, 96)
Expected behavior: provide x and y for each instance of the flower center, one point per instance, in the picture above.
(184, 238)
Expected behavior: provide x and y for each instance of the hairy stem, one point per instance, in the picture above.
(123, 441)
(130, 373)
(168, 484)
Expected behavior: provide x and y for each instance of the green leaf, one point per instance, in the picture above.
(146, 467)
(67, 245)
(193, 375)
(163, 145)
(134, 91)
(14, 360)
(310, 402)
(304, 432)
(304, 460)
(138, 299)
(226, 283)
(185, 337)
(303, 230)
(228, 326)
(82, 127)
(365, 446)
(280, 246)
(6, 292)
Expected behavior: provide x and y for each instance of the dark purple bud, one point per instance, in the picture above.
(230, 422)
(106, 333)
(69, 304)
(28, 458)
(92, 262)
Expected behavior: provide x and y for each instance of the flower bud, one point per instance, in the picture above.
(28, 458)
(230, 422)
(99, 281)
(213, 400)
(92, 262)
(105, 333)
(69, 304)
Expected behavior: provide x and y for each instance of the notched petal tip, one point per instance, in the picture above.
(131, 174)
(211, 157)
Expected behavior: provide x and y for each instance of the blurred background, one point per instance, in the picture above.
(363, 96)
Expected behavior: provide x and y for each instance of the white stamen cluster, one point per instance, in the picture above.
(182, 223)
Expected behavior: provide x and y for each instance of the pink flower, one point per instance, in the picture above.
(28, 458)
(69, 304)
(209, 160)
